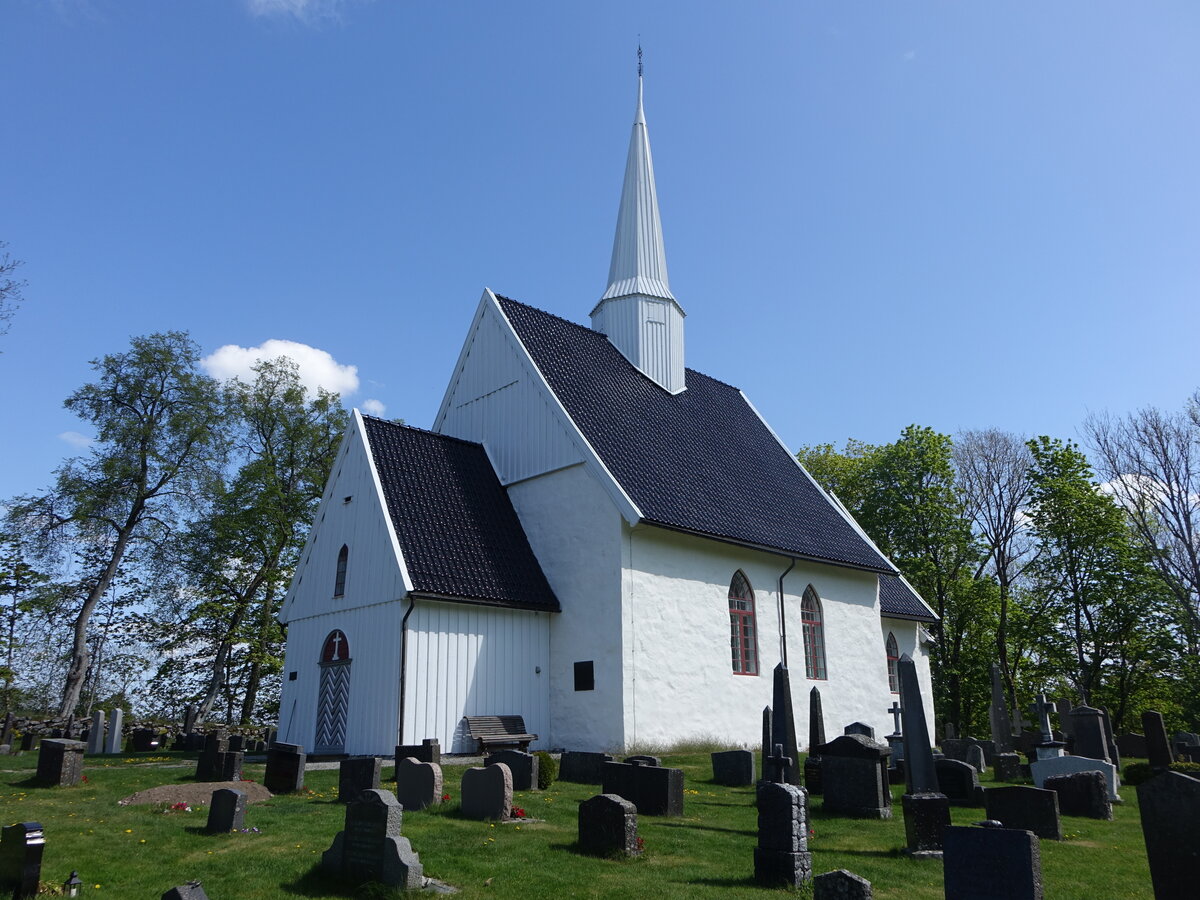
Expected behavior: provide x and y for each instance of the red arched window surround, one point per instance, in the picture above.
(814, 634)
(339, 580)
(336, 648)
(743, 635)
(893, 657)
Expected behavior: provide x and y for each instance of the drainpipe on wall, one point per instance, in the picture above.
(412, 603)
(782, 617)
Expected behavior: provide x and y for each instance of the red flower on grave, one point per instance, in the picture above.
(518, 813)
(445, 798)
(641, 844)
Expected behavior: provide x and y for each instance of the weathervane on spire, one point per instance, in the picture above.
(639, 59)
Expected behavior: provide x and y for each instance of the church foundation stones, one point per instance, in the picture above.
(608, 826)
(418, 784)
(487, 792)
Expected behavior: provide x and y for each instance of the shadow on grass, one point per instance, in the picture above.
(748, 881)
(32, 782)
(692, 826)
(575, 848)
(316, 883)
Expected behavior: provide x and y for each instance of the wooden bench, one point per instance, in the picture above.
(498, 732)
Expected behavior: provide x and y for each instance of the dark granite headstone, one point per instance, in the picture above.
(418, 784)
(733, 768)
(1026, 809)
(812, 775)
(781, 857)
(1007, 767)
(237, 743)
(428, 751)
(767, 745)
(357, 774)
(783, 723)
(371, 848)
(1063, 706)
(21, 847)
(1081, 794)
(816, 737)
(27, 740)
(230, 765)
(918, 751)
(860, 728)
(1158, 748)
(285, 768)
(926, 816)
(956, 748)
(193, 890)
(1131, 745)
(1170, 808)
(487, 792)
(1087, 725)
(643, 759)
(581, 767)
(211, 764)
(6, 732)
(959, 782)
(975, 758)
(524, 767)
(841, 885)
(226, 812)
(60, 762)
(654, 790)
(998, 714)
(854, 777)
(143, 740)
(991, 864)
(608, 826)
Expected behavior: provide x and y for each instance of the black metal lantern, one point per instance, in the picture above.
(72, 885)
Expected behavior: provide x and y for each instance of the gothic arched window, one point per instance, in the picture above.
(339, 581)
(814, 634)
(336, 648)
(893, 657)
(743, 635)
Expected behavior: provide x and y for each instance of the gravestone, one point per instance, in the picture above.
(1026, 809)
(975, 758)
(428, 751)
(1170, 807)
(193, 890)
(1158, 748)
(643, 759)
(777, 767)
(143, 740)
(816, 737)
(226, 811)
(195, 742)
(654, 790)
(1087, 726)
(767, 746)
(6, 733)
(608, 826)
(1066, 765)
(95, 735)
(1081, 794)
(841, 885)
(959, 782)
(116, 737)
(21, 847)
(991, 864)
(237, 743)
(860, 728)
(418, 784)
(357, 774)
(487, 792)
(781, 857)
(1063, 706)
(1131, 745)
(524, 767)
(371, 848)
(1007, 767)
(733, 768)
(27, 740)
(949, 732)
(783, 723)
(1109, 741)
(60, 762)
(285, 769)
(582, 767)
(926, 809)
(998, 714)
(1181, 739)
(956, 748)
(854, 777)
(210, 766)
(895, 740)
(1048, 747)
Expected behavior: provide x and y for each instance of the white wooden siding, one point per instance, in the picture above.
(497, 400)
(373, 633)
(649, 332)
(466, 660)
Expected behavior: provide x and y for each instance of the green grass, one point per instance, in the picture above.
(139, 852)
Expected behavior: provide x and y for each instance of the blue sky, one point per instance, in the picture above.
(962, 215)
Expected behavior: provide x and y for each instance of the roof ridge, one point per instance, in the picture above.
(428, 431)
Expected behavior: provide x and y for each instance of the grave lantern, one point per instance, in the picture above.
(72, 885)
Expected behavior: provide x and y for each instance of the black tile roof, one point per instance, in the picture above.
(457, 528)
(700, 461)
(899, 601)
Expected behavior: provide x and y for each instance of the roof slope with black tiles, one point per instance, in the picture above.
(899, 601)
(457, 529)
(701, 461)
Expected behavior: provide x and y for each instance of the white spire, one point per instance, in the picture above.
(639, 262)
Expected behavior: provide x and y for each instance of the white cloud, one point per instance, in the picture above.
(75, 439)
(303, 10)
(317, 367)
(373, 407)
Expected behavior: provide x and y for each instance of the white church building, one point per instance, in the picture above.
(592, 536)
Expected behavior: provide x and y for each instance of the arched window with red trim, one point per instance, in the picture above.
(743, 634)
(813, 626)
(893, 657)
(339, 580)
(336, 648)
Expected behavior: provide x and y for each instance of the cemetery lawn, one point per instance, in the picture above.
(142, 851)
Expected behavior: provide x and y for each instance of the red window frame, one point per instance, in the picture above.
(893, 657)
(812, 624)
(743, 631)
